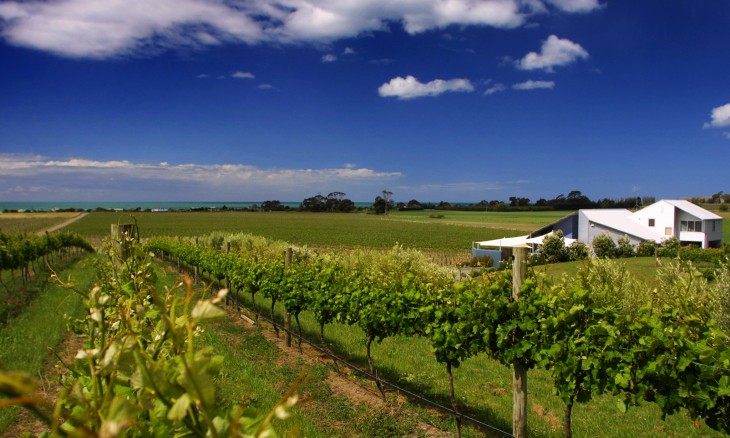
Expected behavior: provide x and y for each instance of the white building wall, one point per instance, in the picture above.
(664, 215)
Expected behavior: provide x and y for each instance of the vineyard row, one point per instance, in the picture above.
(600, 332)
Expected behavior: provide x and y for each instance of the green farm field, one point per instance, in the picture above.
(331, 230)
(32, 222)
(520, 221)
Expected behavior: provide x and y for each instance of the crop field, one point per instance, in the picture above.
(521, 221)
(32, 222)
(331, 230)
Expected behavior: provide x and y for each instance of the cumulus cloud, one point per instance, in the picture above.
(555, 52)
(103, 29)
(720, 117)
(534, 85)
(243, 75)
(329, 58)
(142, 180)
(410, 88)
(496, 88)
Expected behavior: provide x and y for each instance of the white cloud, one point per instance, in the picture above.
(555, 52)
(496, 88)
(409, 87)
(202, 76)
(349, 51)
(114, 178)
(265, 87)
(720, 117)
(243, 75)
(534, 85)
(108, 28)
(576, 6)
(329, 58)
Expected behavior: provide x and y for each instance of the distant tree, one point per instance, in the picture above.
(380, 206)
(315, 204)
(515, 201)
(604, 246)
(542, 202)
(414, 205)
(334, 202)
(272, 205)
(387, 194)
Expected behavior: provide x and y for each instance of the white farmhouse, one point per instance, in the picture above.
(684, 220)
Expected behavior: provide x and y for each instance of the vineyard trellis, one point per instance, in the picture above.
(594, 335)
(19, 251)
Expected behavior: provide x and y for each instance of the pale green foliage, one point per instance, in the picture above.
(719, 300)
(618, 285)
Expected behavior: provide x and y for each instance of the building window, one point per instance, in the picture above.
(714, 223)
(691, 226)
(668, 231)
(651, 222)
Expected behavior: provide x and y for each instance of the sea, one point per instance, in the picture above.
(143, 206)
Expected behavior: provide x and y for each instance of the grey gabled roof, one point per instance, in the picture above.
(694, 210)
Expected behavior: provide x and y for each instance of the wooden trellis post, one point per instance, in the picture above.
(519, 370)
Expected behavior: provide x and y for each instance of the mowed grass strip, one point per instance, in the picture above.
(332, 230)
(28, 340)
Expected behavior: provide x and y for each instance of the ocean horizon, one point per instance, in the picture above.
(131, 205)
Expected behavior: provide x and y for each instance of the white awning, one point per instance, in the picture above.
(519, 242)
(538, 240)
(506, 242)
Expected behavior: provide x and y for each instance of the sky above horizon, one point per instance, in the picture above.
(456, 100)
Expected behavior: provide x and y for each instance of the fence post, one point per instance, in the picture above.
(519, 370)
(122, 235)
(287, 324)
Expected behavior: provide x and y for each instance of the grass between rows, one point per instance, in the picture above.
(28, 340)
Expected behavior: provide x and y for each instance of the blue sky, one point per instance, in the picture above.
(458, 100)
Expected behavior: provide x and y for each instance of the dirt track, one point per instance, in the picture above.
(62, 224)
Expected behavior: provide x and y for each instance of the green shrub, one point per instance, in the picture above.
(646, 248)
(553, 248)
(669, 247)
(578, 250)
(625, 249)
(604, 247)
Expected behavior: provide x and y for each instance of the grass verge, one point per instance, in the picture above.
(28, 339)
